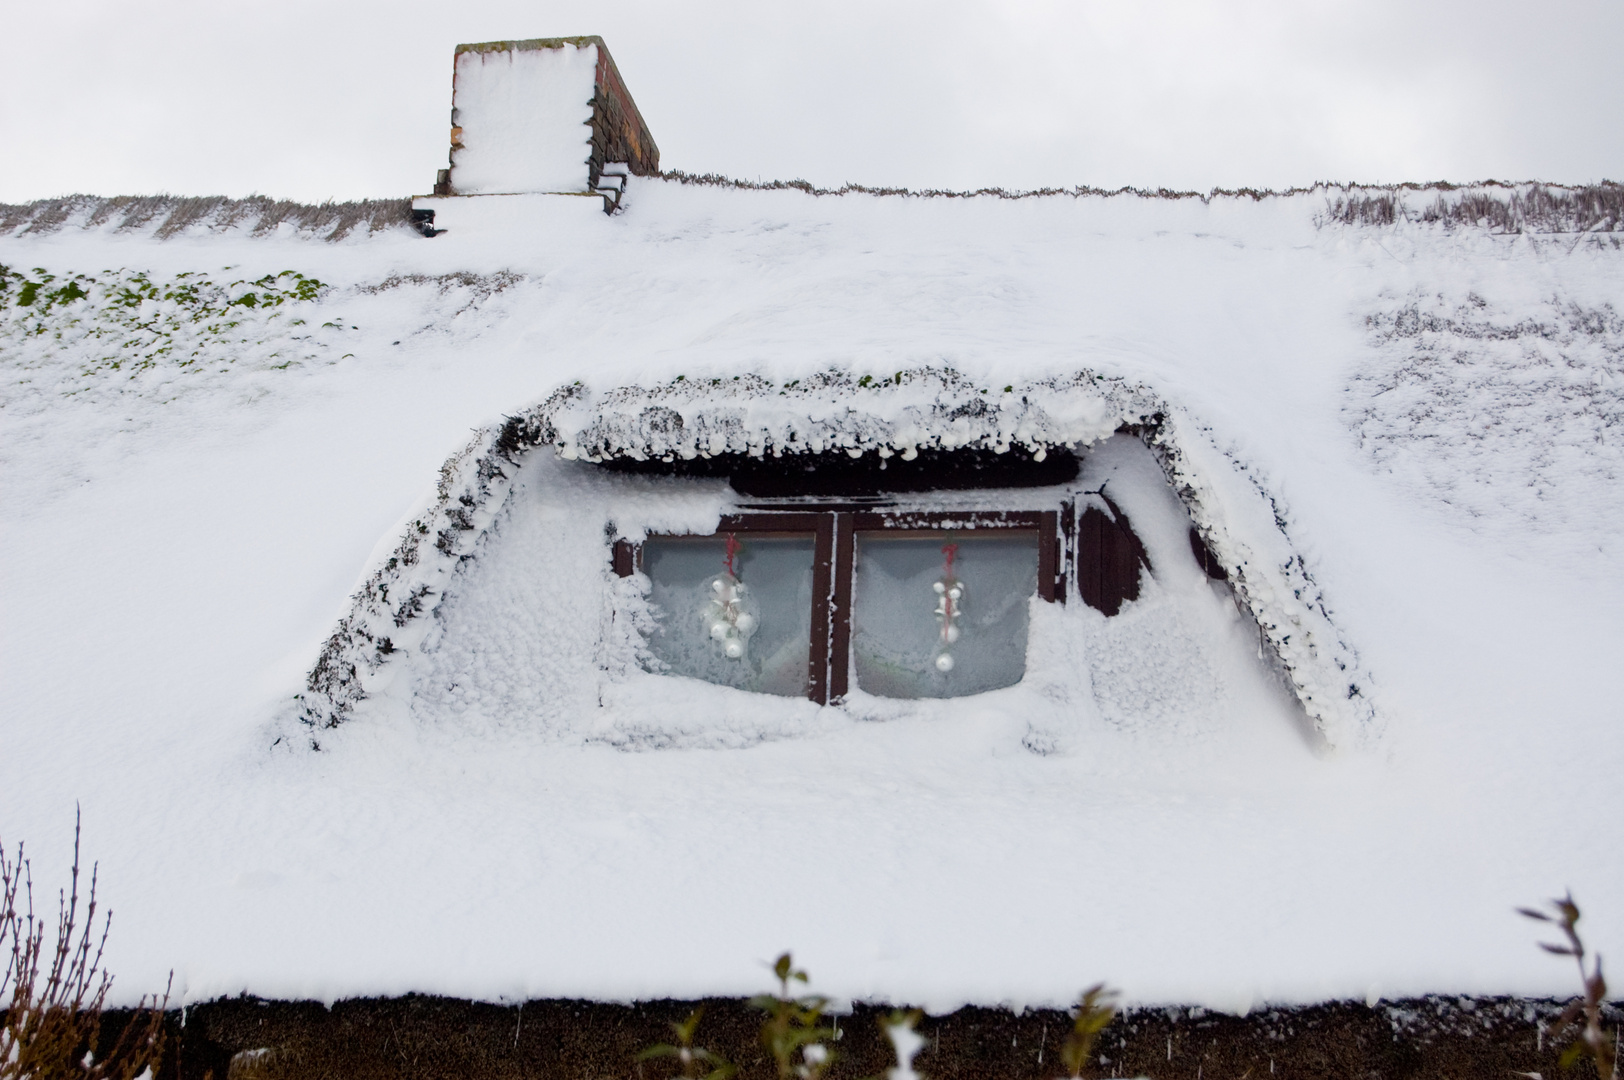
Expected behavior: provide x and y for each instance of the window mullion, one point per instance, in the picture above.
(1049, 556)
(845, 558)
(822, 604)
(1068, 549)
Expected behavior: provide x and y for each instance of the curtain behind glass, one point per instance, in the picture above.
(778, 576)
(896, 632)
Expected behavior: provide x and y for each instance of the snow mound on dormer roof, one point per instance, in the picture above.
(836, 410)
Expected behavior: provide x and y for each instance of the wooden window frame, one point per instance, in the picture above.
(834, 532)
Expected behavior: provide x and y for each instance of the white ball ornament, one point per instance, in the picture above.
(951, 633)
(939, 587)
(746, 622)
(734, 648)
(944, 662)
(955, 592)
(718, 629)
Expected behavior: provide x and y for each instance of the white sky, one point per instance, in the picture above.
(313, 99)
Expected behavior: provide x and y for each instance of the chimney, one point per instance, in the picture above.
(548, 115)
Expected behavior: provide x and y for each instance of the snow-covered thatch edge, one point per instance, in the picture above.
(833, 411)
(1528, 207)
(900, 414)
(166, 216)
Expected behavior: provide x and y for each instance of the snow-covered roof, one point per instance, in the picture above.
(1398, 432)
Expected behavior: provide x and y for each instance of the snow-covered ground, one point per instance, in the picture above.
(1435, 412)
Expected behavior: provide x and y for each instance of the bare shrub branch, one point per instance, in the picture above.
(54, 1001)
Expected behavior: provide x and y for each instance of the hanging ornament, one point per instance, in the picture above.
(729, 615)
(949, 591)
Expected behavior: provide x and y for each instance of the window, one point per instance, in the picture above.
(941, 614)
(799, 601)
(766, 644)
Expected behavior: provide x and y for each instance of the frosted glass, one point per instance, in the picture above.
(896, 635)
(778, 576)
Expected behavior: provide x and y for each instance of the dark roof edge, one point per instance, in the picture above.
(531, 44)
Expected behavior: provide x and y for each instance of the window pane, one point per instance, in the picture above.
(898, 614)
(774, 612)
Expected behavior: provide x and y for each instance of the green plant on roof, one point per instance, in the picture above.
(697, 1063)
(794, 1026)
(1093, 1011)
(124, 320)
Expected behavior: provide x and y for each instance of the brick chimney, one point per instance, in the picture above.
(546, 115)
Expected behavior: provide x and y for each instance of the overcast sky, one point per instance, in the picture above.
(315, 99)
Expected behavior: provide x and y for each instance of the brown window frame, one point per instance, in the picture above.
(834, 531)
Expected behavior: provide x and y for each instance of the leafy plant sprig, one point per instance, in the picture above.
(1593, 1042)
(697, 1062)
(1093, 1011)
(795, 1024)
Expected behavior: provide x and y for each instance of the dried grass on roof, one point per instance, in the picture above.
(1526, 208)
(1499, 207)
(172, 215)
(1495, 206)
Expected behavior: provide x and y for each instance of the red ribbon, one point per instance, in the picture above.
(950, 551)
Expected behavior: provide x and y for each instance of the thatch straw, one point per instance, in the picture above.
(175, 214)
(1525, 208)
(1499, 207)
